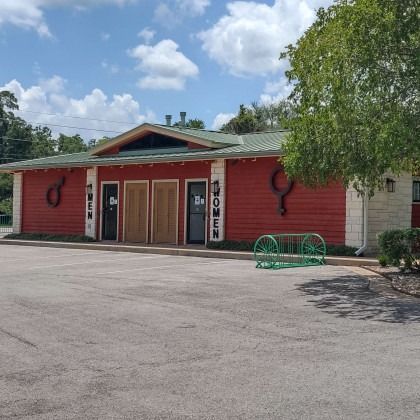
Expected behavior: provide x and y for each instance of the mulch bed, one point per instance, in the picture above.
(405, 282)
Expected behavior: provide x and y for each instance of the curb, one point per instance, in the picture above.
(186, 252)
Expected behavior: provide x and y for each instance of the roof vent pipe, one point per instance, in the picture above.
(168, 120)
(183, 116)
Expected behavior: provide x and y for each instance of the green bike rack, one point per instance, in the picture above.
(283, 250)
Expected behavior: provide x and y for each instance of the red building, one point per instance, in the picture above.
(175, 185)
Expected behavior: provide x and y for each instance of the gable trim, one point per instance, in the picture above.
(133, 134)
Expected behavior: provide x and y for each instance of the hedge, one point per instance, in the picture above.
(50, 237)
(338, 250)
(400, 248)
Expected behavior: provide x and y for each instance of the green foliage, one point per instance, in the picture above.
(383, 260)
(6, 206)
(339, 250)
(43, 144)
(356, 75)
(49, 237)
(70, 144)
(260, 117)
(97, 142)
(195, 123)
(401, 247)
(231, 245)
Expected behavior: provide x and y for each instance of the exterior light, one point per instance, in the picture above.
(89, 189)
(390, 185)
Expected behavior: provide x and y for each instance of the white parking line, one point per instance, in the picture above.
(161, 266)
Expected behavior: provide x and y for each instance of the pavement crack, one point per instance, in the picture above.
(16, 337)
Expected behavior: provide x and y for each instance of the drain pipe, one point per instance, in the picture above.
(363, 248)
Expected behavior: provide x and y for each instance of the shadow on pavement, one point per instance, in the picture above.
(350, 297)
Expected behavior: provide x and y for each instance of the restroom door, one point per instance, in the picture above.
(165, 212)
(109, 212)
(196, 213)
(136, 203)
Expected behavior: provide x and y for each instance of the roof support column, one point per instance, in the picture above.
(91, 201)
(217, 204)
(17, 202)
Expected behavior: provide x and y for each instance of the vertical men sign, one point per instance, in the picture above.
(91, 192)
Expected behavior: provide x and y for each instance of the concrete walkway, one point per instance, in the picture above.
(186, 251)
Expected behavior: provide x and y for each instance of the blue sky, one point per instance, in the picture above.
(136, 60)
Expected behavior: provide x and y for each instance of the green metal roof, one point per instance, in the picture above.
(213, 136)
(246, 145)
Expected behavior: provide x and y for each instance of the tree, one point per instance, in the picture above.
(195, 123)
(70, 144)
(43, 144)
(260, 117)
(97, 142)
(245, 122)
(356, 74)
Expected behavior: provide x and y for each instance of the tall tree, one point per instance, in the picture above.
(43, 144)
(356, 74)
(195, 123)
(245, 122)
(70, 144)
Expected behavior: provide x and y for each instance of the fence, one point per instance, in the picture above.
(6, 223)
(289, 250)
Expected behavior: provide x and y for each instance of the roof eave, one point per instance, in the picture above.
(150, 160)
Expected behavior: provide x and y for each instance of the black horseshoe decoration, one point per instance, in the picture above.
(282, 193)
(54, 191)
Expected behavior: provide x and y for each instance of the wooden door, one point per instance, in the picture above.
(136, 198)
(165, 212)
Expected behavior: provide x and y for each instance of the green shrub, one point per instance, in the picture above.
(383, 260)
(341, 250)
(231, 245)
(50, 237)
(401, 247)
(338, 250)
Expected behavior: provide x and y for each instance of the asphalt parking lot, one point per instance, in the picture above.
(107, 335)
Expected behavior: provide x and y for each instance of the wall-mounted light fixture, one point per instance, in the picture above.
(390, 185)
(89, 189)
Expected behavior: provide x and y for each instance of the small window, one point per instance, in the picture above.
(416, 191)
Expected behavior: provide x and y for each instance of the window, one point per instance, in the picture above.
(153, 141)
(416, 191)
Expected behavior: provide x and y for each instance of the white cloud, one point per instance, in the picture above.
(173, 12)
(147, 34)
(49, 97)
(248, 40)
(192, 7)
(164, 66)
(29, 14)
(220, 120)
(275, 91)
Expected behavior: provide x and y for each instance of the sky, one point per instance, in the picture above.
(115, 64)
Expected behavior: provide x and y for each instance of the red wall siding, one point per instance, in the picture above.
(415, 216)
(251, 207)
(68, 217)
(154, 172)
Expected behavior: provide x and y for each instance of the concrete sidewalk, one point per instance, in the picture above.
(186, 251)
